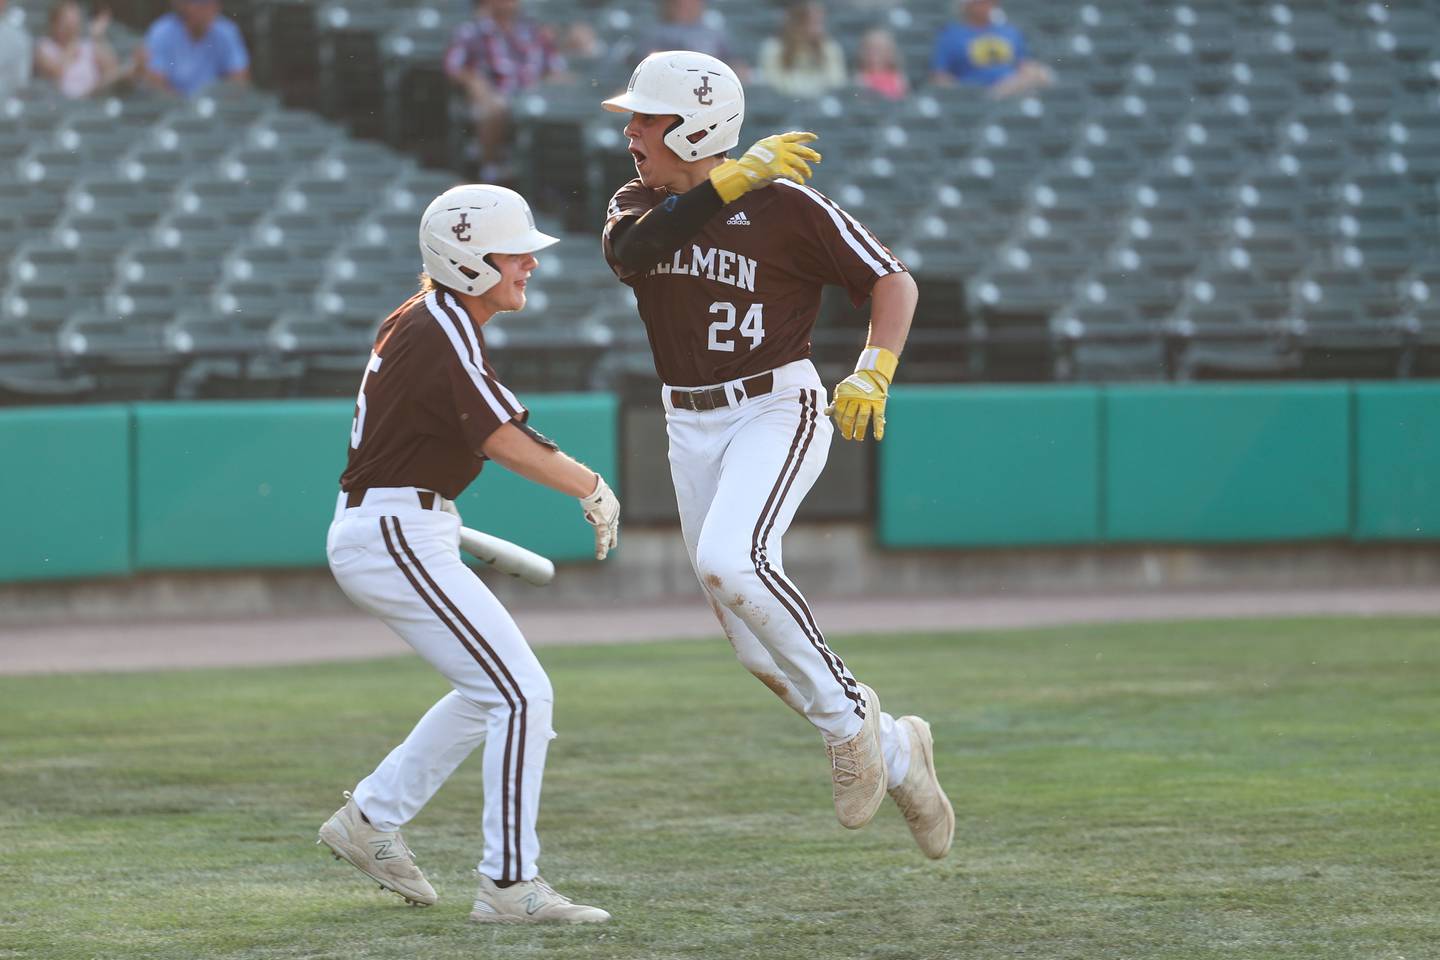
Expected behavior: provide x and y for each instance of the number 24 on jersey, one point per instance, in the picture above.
(752, 326)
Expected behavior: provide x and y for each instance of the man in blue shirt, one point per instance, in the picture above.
(980, 51)
(194, 46)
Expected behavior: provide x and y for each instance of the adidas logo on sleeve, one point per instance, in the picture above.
(739, 220)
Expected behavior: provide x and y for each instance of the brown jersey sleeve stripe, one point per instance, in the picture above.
(510, 803)
(863, 232)
(452, 325)
(452, 310)
(507, 399)
(860, 240)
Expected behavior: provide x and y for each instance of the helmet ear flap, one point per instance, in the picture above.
(694, 138)
(463, 270)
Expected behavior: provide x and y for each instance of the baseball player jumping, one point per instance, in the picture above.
(430, 411)
(727, 259)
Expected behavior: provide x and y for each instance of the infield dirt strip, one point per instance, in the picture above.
(300, 639)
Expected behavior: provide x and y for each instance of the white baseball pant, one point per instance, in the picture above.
(402, 564)
(740, 473)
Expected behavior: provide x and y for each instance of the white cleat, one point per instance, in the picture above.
(381, 856)
(529, 901)
(920, 797)
(857, 769)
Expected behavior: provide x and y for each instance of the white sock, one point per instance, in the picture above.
(895, 743)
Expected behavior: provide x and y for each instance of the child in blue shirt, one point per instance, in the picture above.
(978, 51)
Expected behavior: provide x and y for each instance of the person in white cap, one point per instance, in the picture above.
(431, 410)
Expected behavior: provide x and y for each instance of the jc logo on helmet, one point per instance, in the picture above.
(462, 229)
(702, 92)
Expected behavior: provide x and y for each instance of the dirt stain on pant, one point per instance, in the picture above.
(778, 684)
(719, 612)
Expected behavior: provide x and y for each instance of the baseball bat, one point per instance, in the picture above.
(507, 557)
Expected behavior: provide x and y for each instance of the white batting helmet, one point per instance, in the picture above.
(465, 224)
(701, 90)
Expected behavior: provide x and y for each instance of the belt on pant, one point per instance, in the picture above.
(353, 498)
(713, 398)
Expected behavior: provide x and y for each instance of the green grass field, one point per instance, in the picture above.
(1239, 790)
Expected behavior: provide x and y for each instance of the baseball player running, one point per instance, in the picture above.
(727, 258)
(430, 412)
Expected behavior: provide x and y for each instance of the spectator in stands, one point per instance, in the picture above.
(77, 59)
(192, 47)
(586, 55)
(982, 51)
(492, 57)
(682, 27)
(878, 69)
(14, 53)
(580, 41)
(804, 61)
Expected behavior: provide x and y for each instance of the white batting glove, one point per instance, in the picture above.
(602, 511)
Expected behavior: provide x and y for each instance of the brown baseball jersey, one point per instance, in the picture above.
(741, 297)
(428, 401)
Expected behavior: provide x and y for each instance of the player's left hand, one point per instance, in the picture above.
(782, 156)
(860, 402)
(859, 399)
(602, 511)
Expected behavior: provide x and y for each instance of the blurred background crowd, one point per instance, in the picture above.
(1114, 190)
(501, 50)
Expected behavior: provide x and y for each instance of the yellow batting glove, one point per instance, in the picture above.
(782, 156)
(859, 400)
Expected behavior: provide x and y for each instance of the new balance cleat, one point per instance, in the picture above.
(857, 769)
(382, 856)
(920, 797)
(529, 901)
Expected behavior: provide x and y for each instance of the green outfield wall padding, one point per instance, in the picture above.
(66, 485)
(1397, 462)
(990, 466)
(1227, 463)
(236, 485)
(227, 485)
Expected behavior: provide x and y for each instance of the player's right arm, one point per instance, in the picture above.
(859, 399)
(516, 449)
(518, 452)
(492, 421)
